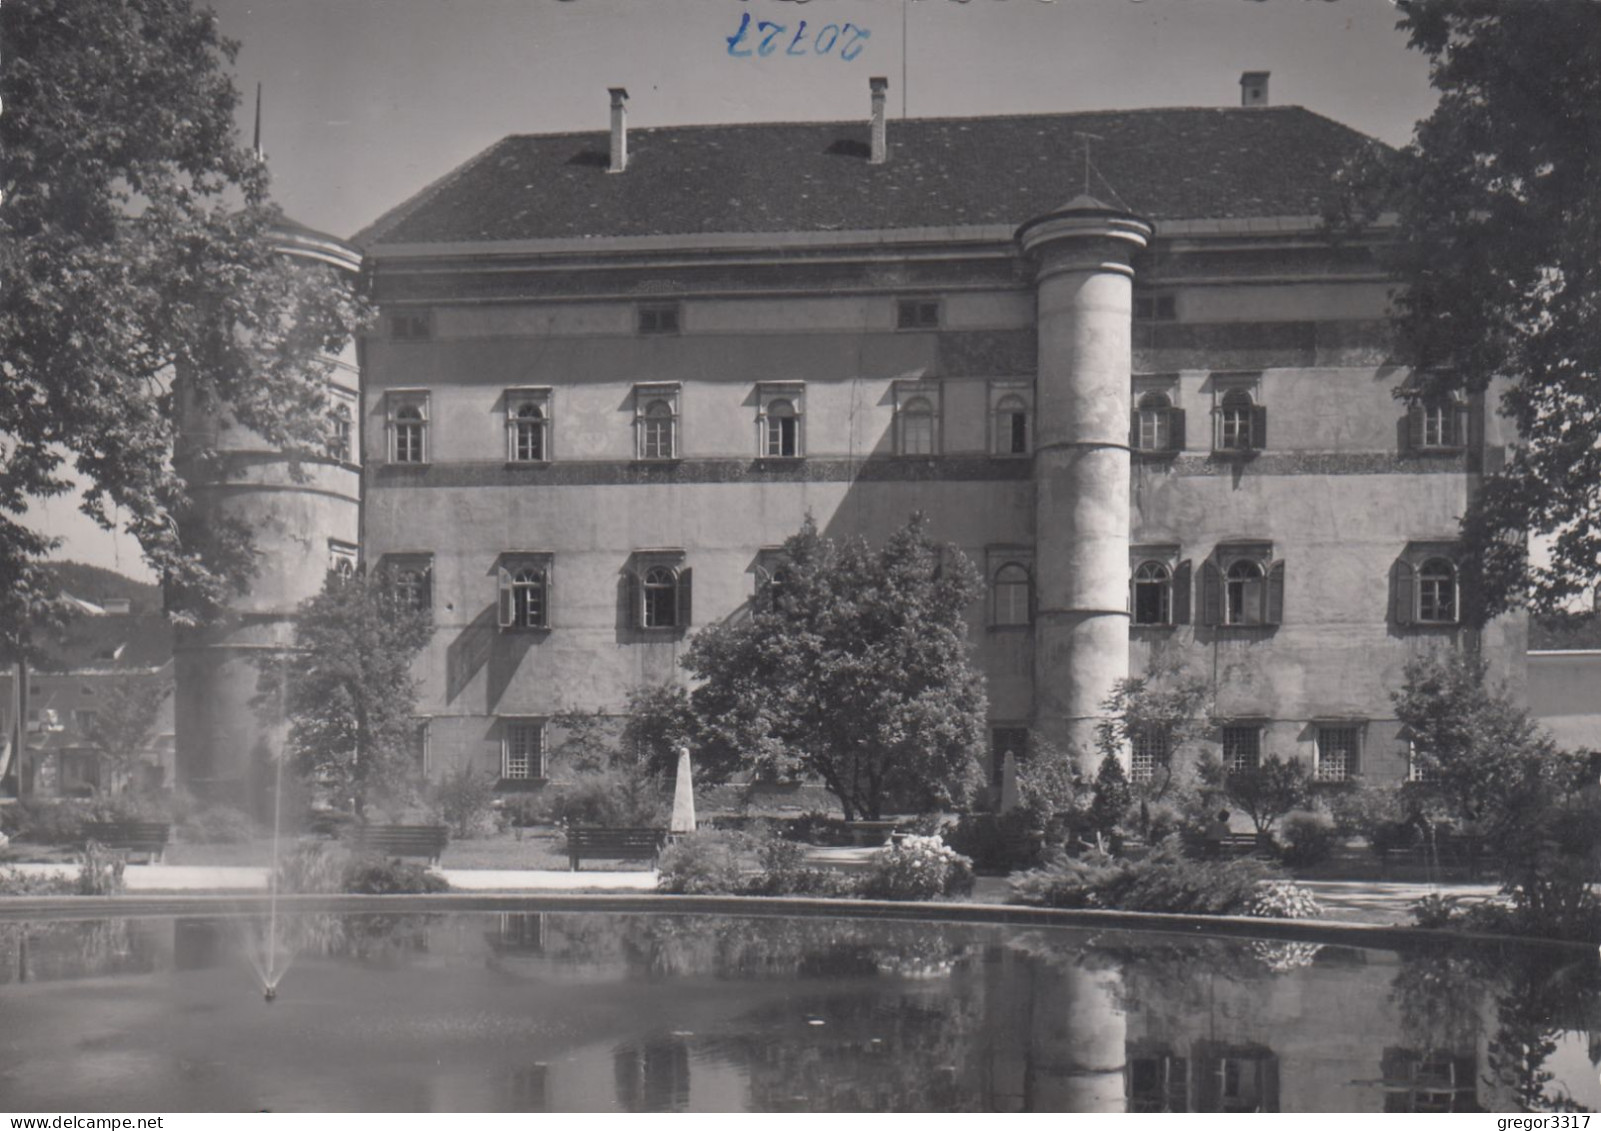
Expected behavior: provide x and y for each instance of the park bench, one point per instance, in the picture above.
(871, 834)
(1244, 844)
(426, 841)
(614, 844)
(1459, 854)
(149, 837)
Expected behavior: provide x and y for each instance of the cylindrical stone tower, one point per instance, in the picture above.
(1084, 287)
(301, 525)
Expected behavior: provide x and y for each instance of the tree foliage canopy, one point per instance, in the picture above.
(137, 246)
(125, 713)
(350, 695)
(1475, 747)
(854, 668)
(1498, 245)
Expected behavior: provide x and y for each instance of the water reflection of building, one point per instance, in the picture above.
(652, 1075)
(1432, 1081)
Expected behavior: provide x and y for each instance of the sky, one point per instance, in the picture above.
(366, 102)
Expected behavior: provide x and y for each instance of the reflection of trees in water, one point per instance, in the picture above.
(685, 945)
(1521, 1001)
(51, 951)
(864, 1052)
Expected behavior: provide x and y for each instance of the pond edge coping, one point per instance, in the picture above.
(1372, 935)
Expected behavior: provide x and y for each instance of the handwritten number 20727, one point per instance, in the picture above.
(768, 37)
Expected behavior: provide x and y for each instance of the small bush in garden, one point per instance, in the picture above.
(50, 822)
(1065, 881)
(14, 881)
(100, 871)
(465, 801)
(1166, 880)
(699, 864)
(1283, 899)
(784, 871)
(1435, 910)
(611, 799)
(313, 868)
(220, 824)
(998, 842)
(917, 867)
(1308, 839)
(376, 875)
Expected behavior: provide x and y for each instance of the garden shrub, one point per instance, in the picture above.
(699, 864)
(917, 867)
(14, 881)
(1165, 880)
(784, 870)
(1435, 910)
(100, 871)
(998, 842)
(1307, 839)
(1283, 899)
(220, 824)
(50, 821)
(465, 802)
(377, 875)
(610, 799)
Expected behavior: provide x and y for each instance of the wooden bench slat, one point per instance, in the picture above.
(427, 841)
(595, 843)
(149, 837)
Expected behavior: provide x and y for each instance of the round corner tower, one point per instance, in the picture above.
(1082, 255)
(303, 522)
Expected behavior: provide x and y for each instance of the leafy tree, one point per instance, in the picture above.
(1498, 245)
(1169, 703)
(137, 255)
(351, 698)
(1275, 787)
(125, 715)
(1474, 744)
(854, 669)
(660, 721)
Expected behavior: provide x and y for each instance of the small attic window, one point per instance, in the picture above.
(658, 318)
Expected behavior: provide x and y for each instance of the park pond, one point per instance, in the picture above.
(580, 1011)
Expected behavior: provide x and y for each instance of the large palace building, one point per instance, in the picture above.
(1114, 357)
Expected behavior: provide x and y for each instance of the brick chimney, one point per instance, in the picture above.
(619, 129)
(1253, 88)
(880, 143)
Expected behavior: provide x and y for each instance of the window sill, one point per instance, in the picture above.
(525, 630)
(520, 785)
(1436, 450)
(1234, 455)
(1155, 628)
(1011, 455)
(528, 463)
(1157, 453)
(658, 461)
(780, 461)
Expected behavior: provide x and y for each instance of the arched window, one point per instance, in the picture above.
(409, 434)
(1437, 599)
(528, 598)
(341, 433)
(1155, 423)
(1011, 426)
(528, 433)
(657, 431)
(1012, 594)
(659, 588)
(781, 437)
(1153, 594)
(1234, 432)
(917, 427)
(1243, 589)
(342, 568)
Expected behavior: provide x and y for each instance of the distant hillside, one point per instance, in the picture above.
(92, 583)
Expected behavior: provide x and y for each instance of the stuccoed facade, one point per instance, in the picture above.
(1154, 404)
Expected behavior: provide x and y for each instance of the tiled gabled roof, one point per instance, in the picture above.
(815, 177)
